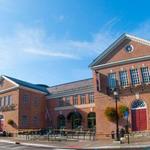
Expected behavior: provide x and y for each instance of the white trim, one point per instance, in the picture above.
(122, 62)
(10, 80)
(31, 89)
(115, 44)
(8, 89)
(75, 107)
(138, 108)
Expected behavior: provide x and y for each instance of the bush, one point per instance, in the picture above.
(110, 112)
(10, 122)
(121, 110)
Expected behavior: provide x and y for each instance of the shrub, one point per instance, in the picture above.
(121, 110)
(10, 122)
(110, 112)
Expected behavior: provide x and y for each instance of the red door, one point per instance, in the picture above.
(139, 120)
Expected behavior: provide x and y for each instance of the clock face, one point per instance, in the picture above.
(129, 48)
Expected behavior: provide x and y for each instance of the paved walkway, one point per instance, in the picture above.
(97, 144)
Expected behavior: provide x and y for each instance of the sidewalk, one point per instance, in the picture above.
(98, 144)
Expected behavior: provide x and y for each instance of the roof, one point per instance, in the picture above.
(115, 44)
(27, 84)
(70, 85)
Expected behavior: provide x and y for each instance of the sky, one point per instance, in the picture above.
(53, 41)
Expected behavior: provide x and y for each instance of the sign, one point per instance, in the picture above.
(126, 114)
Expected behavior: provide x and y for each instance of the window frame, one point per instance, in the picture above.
(124, 79)
(83, 99)
(75, 99)
(112, 82)
(91, 98)
(135, 81)
(145, 73)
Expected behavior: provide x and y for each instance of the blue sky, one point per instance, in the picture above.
(54, 41)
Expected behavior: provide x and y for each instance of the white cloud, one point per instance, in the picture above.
(32, 43)
(29, 43)
(50, 54)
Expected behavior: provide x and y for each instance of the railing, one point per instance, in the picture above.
(131, 87)
(58, 134)
(7, 107)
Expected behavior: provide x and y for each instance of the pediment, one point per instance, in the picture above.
(6, 84)
(125, 48)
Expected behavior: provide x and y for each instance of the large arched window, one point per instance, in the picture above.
(138, 104)
(61, 121)
(75, 118)
(91, 120)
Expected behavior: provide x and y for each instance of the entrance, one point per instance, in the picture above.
(139, 115)
(76, 119)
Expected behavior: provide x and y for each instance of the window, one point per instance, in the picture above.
(35, 120)
(67, 101)
(60, 102)
(145, 74)
(129, 48)
(91, 120)
(10, 100)
(24, 120)
(123, 78)
(91, 98)
(36, 101)
(134, 76)
(75, 100)
(5, 100)
(83, 99)
(112, 80)
(2, 101)
(25, 98)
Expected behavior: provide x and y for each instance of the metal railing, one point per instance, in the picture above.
(58, 135)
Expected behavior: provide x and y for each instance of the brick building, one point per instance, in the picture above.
(123, 66)
(36, 106)
(72, 105)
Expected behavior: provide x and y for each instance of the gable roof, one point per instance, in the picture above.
(26, 84)
(115, 44)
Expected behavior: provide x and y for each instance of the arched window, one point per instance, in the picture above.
(138, 104)
(91, 120)
(75, 118)
(61, 121)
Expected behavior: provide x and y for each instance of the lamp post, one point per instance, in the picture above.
(116, 96)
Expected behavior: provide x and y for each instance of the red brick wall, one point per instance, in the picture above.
(119, 52)
(12, 114)
(102, 100)
(30, 109)
(53, 103)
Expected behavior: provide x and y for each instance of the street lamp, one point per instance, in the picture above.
(116, 96)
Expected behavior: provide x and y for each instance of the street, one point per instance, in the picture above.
(8, 146)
